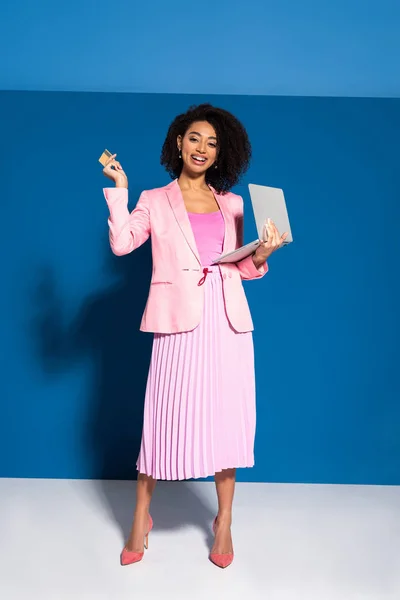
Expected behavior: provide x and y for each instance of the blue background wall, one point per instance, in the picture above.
(326, 316)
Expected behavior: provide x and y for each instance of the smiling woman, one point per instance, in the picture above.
(212, 139)
(199, 411)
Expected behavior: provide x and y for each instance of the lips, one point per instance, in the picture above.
(198, 160)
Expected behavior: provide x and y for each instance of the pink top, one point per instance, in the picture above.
(208, 230)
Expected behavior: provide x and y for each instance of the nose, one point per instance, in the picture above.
(201, 146)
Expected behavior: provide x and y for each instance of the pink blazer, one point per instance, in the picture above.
(175, 299)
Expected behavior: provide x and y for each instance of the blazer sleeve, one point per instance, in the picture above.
(246, 266)
(127, 230)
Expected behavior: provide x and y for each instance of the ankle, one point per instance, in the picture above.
(224, 517)
(141, 511)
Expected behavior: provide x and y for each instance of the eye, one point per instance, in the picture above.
(193, 139)
(213, 145)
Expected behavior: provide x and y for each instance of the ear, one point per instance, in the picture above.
(179, 142)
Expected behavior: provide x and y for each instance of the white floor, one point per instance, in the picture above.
(61, 539)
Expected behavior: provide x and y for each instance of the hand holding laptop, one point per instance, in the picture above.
(272, 240)
(271, 216)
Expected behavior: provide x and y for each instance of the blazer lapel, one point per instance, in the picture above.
(177, 203)
(227, 215)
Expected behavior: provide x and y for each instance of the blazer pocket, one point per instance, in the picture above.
(161, 283)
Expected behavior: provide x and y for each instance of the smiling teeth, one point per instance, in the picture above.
(198, 158)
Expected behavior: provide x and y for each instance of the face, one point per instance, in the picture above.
(198, 147)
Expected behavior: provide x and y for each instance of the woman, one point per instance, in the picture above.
(199, 412)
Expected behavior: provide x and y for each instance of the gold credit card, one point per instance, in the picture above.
(104, 157)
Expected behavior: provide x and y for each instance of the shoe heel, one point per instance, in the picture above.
(146, 537)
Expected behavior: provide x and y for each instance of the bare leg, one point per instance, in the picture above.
(144, 491)
(225, 484)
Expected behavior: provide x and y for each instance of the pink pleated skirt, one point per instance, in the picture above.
(199, 411)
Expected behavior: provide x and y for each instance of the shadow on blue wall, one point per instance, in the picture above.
(104, 328)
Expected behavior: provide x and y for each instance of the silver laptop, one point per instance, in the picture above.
(268, 203)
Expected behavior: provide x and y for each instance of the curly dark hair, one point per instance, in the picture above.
(234, 148)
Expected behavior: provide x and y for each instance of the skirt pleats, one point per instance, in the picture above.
(199, 411)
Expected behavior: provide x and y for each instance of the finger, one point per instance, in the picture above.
(277, 237)
(273, 237)
(282, 239)
(113, 165)
(271, 234)
(110, 159)
(265, 233)
(274, 229)
(266, 237)
(109, 165)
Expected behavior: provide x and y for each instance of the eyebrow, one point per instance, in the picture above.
(210, 137)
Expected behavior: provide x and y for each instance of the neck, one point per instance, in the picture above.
(188, 181)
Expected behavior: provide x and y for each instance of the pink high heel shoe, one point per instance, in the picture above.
(128, 557)
(221, 560)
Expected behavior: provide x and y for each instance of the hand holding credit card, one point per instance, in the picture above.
(113, 169)
(104, 157)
